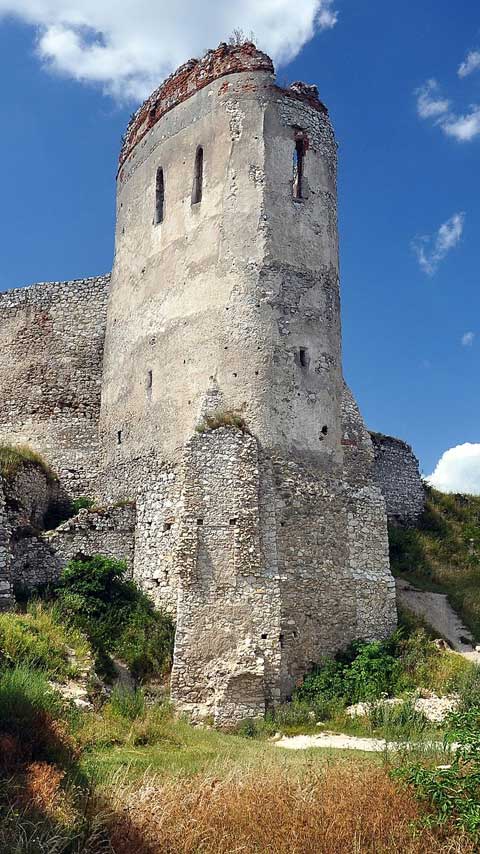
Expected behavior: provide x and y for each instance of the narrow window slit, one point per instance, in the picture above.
(298, 165)
(149, 380)
(119, 437)
(197, 189)
(303, 357)
(159, 197)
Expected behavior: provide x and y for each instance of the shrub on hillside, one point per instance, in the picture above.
(368, 671)
(116, 616)
(453, 790)
(365, 671)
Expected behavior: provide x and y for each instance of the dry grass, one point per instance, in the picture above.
(222, 418)
(13, 457)
(334, 811)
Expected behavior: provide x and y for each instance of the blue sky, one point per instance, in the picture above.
(410, 293)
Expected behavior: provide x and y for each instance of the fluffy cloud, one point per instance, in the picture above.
(470, 63)
(467, 339)
(430, 104)
(432, 249)
(128, 46)
(463, 128)
(458, 470)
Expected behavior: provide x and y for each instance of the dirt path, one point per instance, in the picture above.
(339, 741)
(435, 609)
(330, 739)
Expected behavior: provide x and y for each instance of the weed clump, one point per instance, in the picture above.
(222, 418)
(13, 457)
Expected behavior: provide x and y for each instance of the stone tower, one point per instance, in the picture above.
(266, 538)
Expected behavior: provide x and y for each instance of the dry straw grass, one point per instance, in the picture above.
(341, 809)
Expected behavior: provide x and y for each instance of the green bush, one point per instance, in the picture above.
(116, 616)
(81, 503)
(365, 671)
(453, 790)
(373, 672)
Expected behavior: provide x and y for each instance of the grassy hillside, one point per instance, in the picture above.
(122, 774)
(443, 553)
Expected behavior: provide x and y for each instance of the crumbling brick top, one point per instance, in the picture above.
(197, 73)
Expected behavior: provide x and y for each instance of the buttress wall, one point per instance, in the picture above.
(51, 349)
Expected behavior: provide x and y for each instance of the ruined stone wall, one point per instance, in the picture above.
(396, 473)
(227, 645)
(108, 531)
(51, 349)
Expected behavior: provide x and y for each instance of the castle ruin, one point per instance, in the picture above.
(203, 381)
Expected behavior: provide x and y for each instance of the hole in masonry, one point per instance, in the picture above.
(234, 375)
(303, 357)
(167, 526)
(233, 521)
(324, 429)
(281, 639)
(199, 521)
(264, 636)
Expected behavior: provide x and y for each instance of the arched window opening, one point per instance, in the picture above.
(159, 197)
(298, 165)
(198, 177)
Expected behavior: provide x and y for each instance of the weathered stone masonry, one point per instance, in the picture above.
(51, 349)
(30, 554)
(396, 473)
(267, 544)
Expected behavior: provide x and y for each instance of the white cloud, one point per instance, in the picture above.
(458, 470)
(463, 128)
(129, 46)
(470, 63)
(432, 249)
(467, 339)
(430, 104)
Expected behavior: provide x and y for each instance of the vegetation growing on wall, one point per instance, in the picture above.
(13, 457)
(222, 418)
